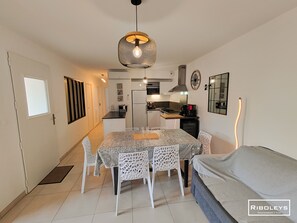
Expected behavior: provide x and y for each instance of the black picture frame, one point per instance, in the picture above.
(218, 87)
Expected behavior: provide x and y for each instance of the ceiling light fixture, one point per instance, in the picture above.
(102, 78)
(136, 49)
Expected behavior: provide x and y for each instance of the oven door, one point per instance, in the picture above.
(153, 88)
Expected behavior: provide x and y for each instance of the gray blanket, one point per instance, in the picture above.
(249, 173)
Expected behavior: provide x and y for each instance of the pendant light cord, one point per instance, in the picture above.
(136, 20)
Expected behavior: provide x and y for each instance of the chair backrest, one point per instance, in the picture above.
(87, 148)
(205, 139)
(133, 165)
(166, 157)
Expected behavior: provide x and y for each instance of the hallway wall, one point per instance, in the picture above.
(11, 169)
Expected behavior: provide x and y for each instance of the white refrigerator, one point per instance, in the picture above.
(139, 109)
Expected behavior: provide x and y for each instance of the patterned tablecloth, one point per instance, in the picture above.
(119, 142)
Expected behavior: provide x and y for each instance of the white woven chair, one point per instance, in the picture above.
(205, 139)
(167, 158)
(89, 160)
(133, 166)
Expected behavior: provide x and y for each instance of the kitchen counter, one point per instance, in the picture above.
(154, 109)
(164, 110)
(171, 116)
(114, 115)
(114, 121)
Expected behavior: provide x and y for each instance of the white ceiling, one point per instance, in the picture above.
(87, 31)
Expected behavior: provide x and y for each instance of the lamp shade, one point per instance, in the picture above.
(137, 50)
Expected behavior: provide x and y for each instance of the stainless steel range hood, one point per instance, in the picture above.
(181, 86)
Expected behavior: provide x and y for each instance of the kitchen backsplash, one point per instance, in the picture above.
(166, 104)
(158, 97)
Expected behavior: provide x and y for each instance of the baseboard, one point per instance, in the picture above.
(12, 204)
(70, 150)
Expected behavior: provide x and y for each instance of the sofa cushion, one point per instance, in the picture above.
(233, 196)
(267, 172)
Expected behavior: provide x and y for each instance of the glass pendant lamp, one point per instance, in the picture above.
(136, 49)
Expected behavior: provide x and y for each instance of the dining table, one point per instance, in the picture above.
(140, 140)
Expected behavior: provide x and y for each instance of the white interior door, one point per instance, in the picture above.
(38, 139)
(101, 103)
(90, 110)
(96, 106)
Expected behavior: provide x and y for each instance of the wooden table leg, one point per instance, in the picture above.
(186, 173)
(115, 179)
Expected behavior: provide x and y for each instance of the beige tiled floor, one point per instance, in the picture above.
(63, 203)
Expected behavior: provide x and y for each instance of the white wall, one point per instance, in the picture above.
(263, 71)
(112, 99)
(12, 181)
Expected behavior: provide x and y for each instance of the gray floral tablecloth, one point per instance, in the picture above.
(119, 142)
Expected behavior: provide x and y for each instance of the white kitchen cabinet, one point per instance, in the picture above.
(138, 85)
(114, 125)
(169, 123)
(153, 118)
(165, 87)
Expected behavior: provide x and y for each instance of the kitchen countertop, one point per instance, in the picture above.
(171, 116)
(154, 109)
(114, 115)
(164, 110)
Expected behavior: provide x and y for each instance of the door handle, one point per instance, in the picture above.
(54, 119)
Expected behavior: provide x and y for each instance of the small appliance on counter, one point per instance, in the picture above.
(150, 105)
(123, 108)
(188, 110)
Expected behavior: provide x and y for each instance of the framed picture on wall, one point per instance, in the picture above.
(120, 92)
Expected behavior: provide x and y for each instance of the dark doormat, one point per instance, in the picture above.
(56, 175)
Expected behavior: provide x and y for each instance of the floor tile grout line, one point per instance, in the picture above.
(132, 203)
(64, 200)
(70, 190)
(94, 213)
(163, 191)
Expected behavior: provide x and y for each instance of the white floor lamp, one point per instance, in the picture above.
(236, 123)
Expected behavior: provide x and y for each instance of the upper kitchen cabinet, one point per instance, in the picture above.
(138, 85)
(164, 77)
(165, 86)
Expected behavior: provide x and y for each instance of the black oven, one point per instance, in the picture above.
(153, 88)
(190, 125)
